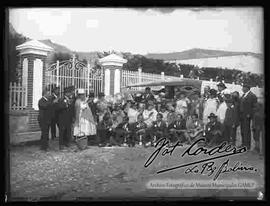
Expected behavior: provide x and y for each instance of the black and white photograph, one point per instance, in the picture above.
(123, 103)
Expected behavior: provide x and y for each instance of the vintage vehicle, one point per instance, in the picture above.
(172, 88)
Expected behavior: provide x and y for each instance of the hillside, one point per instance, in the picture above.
(197, 53)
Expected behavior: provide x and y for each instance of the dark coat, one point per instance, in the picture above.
(93, 107)
(137, 126)
(231, 116)
(66, 112)
(54, 108)
(146, 97)
(45, 111)
(178, 125)
(247, 105)
(213, 127)
(159, 128)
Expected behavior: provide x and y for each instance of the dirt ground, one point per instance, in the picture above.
(113, 173)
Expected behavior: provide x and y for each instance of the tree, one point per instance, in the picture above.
(14, 39)
(61, 56)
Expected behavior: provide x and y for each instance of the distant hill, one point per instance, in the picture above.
(197, 53)
(56, 47)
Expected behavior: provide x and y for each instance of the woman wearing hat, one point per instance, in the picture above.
(210, 105)
(84, 119)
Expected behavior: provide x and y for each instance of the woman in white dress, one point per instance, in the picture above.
(210, 106)
(84, 121)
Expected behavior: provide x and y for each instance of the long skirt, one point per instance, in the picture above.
(84, 127)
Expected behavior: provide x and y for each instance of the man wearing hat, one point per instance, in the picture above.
(66, 117)
(147, 95)
(55, 98)
(213, 130)
(44, 118)
(247, 105)
(230, 122)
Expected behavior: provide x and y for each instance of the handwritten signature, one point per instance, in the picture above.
(209, 166)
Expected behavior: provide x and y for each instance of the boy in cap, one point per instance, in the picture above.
(213, 131)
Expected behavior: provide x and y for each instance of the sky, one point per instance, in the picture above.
(142, 30)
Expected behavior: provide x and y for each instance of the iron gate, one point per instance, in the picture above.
(74, 73)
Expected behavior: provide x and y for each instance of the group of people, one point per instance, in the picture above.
(144, 119)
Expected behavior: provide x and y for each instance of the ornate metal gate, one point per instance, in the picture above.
(74, 73)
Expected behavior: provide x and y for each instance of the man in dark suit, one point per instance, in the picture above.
(139, 131)
(44, 118)
(177, 129)
(93, 106)
(247, 105)
(147, 95)
(123, 133)
(158, 129)
(213, 131)
(66, 116)
(55, 98)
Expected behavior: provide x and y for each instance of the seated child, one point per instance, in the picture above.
(213, 131)
(105, 130)
(122, 133)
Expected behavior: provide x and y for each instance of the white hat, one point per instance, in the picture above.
(81, 91)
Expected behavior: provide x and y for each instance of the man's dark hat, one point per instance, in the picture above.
(69, 89)
(212, 115)
(91, 94)
(221, 84)
(147, 88)
(55, 89)
(213, 92)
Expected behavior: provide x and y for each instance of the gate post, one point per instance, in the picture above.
(112, 65)
(34, 54)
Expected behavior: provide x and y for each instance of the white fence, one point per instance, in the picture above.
(63, 78)
(134, 77)
(17, 96)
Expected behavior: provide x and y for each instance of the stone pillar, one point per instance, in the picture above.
(112, 65)
(33, 55)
